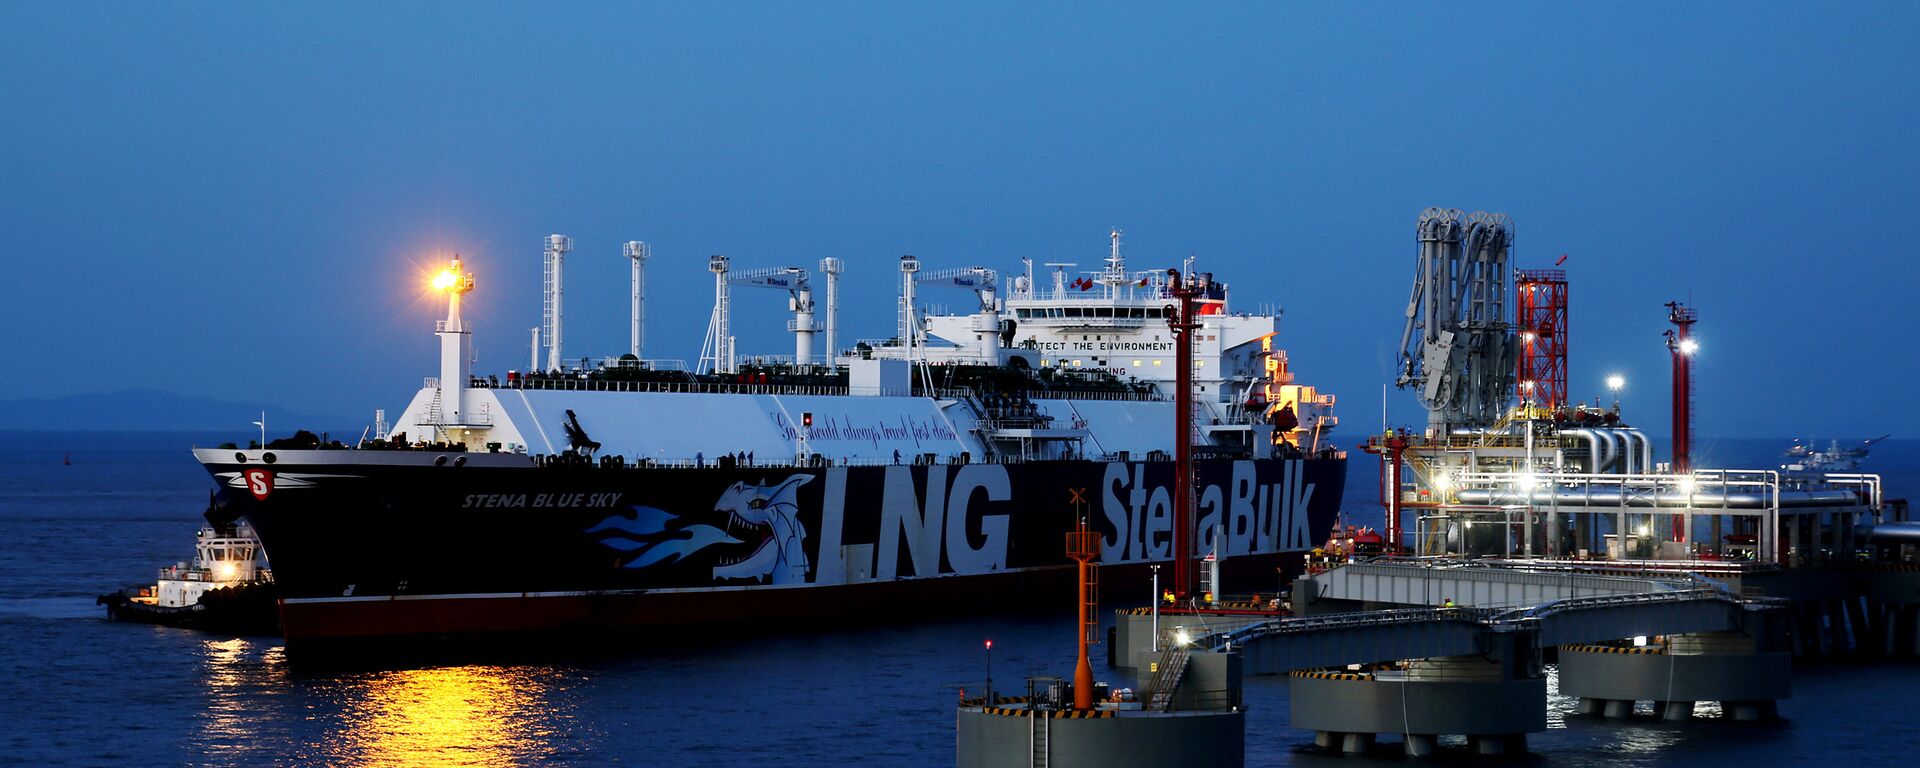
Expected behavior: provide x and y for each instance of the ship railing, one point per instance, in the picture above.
(695, 387)
(682, 387)
(661, 364)
(1090, 322)
(1094, 394)
(815, 461)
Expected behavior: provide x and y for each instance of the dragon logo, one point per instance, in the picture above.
(773, 513)
(765, 517)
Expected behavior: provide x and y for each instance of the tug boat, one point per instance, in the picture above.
(227, 587)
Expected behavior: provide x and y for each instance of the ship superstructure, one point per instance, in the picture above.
(624, 491)
(1099, 338)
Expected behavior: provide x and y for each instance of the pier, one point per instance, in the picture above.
(1425, 649)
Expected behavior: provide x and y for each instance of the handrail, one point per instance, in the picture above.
(572, 384)
(1489, 616)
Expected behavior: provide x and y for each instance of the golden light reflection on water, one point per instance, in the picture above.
(257, 711)
(228, 670)
(471, 715)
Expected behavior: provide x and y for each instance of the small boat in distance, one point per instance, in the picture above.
(1805, 457)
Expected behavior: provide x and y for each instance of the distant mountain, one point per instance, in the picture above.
(152, 409)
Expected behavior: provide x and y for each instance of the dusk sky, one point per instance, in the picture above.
(240, 200)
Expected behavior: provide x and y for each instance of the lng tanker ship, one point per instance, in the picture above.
(928, 472)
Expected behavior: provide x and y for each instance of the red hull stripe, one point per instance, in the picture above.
(441, 615)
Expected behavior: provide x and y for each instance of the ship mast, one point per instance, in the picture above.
(909, 326)
(716, 353)
(832, 267)
(456, 344)
(637, 252)
(550, 315)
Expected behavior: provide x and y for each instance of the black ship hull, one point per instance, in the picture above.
(371, 544)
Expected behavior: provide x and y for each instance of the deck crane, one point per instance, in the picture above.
(717, 352)
(1458, 348)
(985, 324)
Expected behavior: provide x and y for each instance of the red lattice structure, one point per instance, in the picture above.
(1540, 302)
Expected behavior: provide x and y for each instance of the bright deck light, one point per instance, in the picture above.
(446, 279)
(1689, 347)
(1616, 381)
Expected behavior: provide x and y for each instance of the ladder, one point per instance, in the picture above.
(1173, 667)
(1038, 727)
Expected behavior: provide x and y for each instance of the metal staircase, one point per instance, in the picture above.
(1171, 669)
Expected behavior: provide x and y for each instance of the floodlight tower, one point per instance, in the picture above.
(1681, 346)
(1182, 322)
(637, 252)
(550, 309)
(456, 345)
(832, 267)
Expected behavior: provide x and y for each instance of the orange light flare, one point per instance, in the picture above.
(439, 278)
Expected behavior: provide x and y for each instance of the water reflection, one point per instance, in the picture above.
(471, 715)
(255, 711)
(231, 672)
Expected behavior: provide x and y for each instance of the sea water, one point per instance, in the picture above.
(86, 513)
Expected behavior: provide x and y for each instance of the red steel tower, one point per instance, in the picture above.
(1540, 299)
(1182, 322)
(1681, 345)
